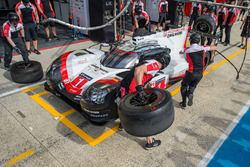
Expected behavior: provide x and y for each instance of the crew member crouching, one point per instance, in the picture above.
(138, 78)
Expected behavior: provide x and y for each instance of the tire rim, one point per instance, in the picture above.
(203, 27)
(149, 99)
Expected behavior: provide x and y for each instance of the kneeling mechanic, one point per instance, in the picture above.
(138, 78)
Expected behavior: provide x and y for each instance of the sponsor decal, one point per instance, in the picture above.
(85, 76)
(174, 32)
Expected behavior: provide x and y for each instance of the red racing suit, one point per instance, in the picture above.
(27, 12)
(195, 56)
(47, 10)
(129, 83)
(11, 31)
(232, 16)
(163, 6)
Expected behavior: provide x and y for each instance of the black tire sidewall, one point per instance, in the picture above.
(147, 121)
(30, 74)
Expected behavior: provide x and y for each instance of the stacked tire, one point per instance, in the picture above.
(150, 119)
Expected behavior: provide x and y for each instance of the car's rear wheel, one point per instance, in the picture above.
(152, 118)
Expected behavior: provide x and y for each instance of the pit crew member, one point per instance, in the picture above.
(195, 56)
(244, 3)
(163, 14)
(28, 14)
(229, 21)
(222, 12)
(141, 19)
(136, 4)
(46, 11)
(195, 13)
(138, 78)
(245, 33)
(13, 38)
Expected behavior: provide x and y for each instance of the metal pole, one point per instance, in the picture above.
(213, 3)
(115, 26)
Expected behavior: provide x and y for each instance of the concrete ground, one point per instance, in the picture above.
(39, 129)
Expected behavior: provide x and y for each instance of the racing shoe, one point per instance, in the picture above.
(36, 52)
(155, 143)
(183, 105)
(190, 99)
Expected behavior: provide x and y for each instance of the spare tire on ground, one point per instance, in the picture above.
(205, 24)
(150, 119)
(26, 74)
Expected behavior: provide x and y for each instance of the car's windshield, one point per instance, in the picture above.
(120, 59)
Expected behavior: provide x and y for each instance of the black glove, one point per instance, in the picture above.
(141, 95)
(17, 50)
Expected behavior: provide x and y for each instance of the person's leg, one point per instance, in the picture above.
(184, 88)
(7, 54)
(151, 143)
(227, 35)
(34, 37)
(27, 36)
(19, 43)
(192, 86)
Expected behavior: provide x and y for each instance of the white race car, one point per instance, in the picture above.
(92, 77)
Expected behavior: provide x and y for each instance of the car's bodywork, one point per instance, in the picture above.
(92, 74)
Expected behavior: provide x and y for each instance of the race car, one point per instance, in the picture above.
(91, 77)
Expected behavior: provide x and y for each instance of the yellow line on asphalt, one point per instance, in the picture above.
(19, 157)
(30, 89)
(212, 68)
(69, 112)
(62, 118)
(105, 135)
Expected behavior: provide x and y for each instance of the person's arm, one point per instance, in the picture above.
(243, 23)
(136, 22)
(209, 48)
(10, 41)
(18, 11)
(36, 14)
(139, 73)
(40, 9)
(52, 10)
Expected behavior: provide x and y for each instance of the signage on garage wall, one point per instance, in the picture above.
(79, 10)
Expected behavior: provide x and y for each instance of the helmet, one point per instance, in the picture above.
(13, 17)
(211, 9)
(138, 9)
(195, 38)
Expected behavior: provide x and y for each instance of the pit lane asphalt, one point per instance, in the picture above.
(39, 129)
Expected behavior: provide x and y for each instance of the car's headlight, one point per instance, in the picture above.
(97, 95)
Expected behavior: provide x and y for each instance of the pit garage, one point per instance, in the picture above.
(39, 127)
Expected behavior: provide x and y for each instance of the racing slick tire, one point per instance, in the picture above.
(150, 119)
(26, 74)
(100, 113)
(205, 24)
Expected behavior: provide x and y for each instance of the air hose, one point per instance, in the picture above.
(90, 28)
(243, 61)
(245, 54)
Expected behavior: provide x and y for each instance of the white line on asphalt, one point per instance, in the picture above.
(210, 154)
(20, 89)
